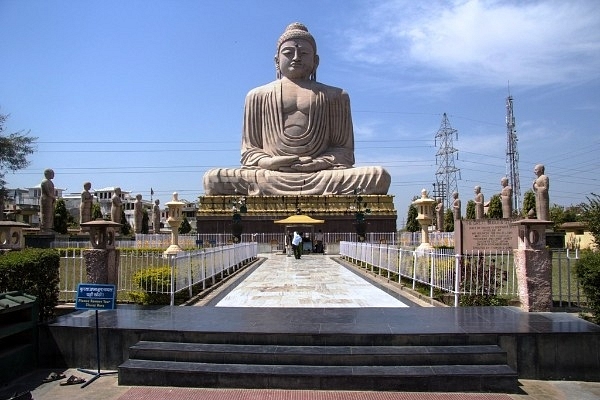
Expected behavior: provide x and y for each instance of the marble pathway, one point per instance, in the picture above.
(313, 281)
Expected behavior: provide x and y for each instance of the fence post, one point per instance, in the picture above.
(457, 258)
(172, 265)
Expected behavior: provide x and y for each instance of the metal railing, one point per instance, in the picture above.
(169, 275)
(473, 273)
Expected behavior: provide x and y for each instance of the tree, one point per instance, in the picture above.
(590, 213)
(559, 215)
(61, 217)
(96, 212)
(185, 226)
(528, 203)
(448, 221)
(125, 227)
(495, 207)
(470, 213)
(14, 149)
(145, 222)
(412, 225)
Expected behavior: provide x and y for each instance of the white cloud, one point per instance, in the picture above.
(476, 42)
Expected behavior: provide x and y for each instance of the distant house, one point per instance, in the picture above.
(577, 232)
(23, 205)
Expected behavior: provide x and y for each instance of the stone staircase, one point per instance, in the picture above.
(337, 366)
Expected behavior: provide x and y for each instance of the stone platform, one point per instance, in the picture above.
(215, 212)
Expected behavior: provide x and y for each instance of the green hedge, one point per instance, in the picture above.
(587, 269)
(151, 281)
(35, 272)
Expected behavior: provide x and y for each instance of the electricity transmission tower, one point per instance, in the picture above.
(512, 155)
(446, 174)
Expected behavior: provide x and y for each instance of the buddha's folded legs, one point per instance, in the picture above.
(241, 181)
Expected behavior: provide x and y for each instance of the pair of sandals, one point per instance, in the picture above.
(73, 380)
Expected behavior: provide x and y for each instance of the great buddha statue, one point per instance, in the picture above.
(297, 134)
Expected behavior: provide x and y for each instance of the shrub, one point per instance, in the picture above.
(154, 284)
(587, 269)
(35, 272)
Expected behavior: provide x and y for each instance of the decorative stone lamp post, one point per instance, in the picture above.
(424, 207)
(11, 235)
(102, 260)
(175, 218)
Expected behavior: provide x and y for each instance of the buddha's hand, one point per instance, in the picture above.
(277, 163)
(309, 164)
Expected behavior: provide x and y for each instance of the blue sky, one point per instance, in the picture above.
(149, 94)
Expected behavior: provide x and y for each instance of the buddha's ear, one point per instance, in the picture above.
(316, 62)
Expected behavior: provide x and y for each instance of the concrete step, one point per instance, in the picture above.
(318, 355)
(446, 378)
(418, 368)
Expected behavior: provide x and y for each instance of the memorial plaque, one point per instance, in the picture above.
(489, 235)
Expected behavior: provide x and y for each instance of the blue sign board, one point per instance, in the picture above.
(91, 296)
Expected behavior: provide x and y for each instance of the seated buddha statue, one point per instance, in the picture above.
(297, 134)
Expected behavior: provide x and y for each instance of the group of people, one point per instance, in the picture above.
(296, 242)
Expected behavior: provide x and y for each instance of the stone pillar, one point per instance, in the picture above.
(534, 266)
(102, 260)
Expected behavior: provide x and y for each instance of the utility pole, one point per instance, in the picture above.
(446, 174)
(512, 155)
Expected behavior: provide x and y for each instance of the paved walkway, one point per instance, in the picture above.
(265, 285)
(312, 281)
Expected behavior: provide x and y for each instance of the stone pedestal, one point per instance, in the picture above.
(534, 266)
(102, 265)
(102, 261)
(214, 213)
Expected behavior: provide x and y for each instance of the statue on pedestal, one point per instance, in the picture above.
(297, 134)
(138, 213)
(439, 214)
(116, 206)
(479, 203)
(47, 200)
(456, 206)
(540, 188)
(85, 207)
(156, 216)
(506, 197)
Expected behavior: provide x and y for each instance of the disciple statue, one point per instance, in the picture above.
(116, 206)
(85, 207)
(138, 213)
(479, 203)
(156, 216)
(540, 188)
(297, 133)
(47, 200)
(506, 197)
(439, 214)
(456, 206)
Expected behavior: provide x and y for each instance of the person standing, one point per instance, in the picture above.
(297, 245)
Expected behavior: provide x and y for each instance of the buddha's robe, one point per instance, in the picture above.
(328, 136)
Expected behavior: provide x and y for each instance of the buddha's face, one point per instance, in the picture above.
(296, 59)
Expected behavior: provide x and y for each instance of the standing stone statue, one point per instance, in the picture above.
(297, 133)
(116, 206)
(506, 197)
(479, 203)
(47, 200)
(85, 207)
(156, 216)
(439, 214)
(138, 213)
(540, 187)
(456, 206)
